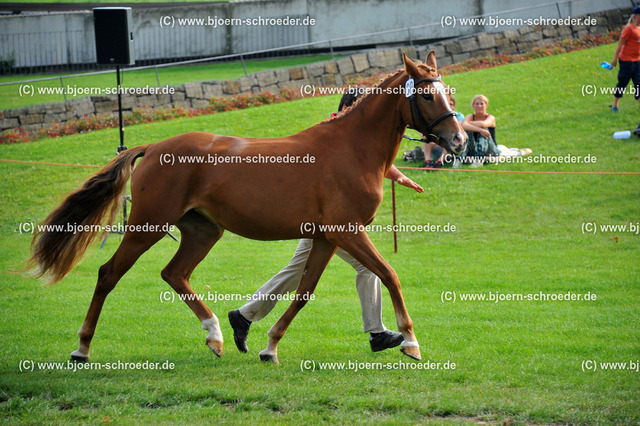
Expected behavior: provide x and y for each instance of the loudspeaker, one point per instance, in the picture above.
(114, 38)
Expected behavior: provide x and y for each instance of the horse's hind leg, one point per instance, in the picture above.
(130, 249)
(319, 257)
(198, 235)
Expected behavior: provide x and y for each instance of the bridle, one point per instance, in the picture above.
(427, 127)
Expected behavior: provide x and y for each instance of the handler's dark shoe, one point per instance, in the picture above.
(240, 327)
(385, 340)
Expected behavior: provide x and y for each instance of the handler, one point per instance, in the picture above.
(628, 52)
(287, 280)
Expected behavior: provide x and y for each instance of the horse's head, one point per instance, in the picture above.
(427, 108)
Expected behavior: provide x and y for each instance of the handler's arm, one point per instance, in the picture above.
(621, 44)
(397, 176)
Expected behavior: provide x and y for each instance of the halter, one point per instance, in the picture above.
(423, 123)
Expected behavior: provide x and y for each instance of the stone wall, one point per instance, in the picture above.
(332, 73)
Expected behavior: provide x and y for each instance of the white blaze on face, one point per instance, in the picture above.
(442, 91)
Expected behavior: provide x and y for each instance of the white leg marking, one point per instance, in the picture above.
(212, 325)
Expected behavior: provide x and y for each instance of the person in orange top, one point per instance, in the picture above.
(628, 54)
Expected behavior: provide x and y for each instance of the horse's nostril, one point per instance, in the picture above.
(458, 140)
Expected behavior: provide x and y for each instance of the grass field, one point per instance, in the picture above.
(12, 97)
(515, 361)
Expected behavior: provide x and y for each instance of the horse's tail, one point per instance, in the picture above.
(62, 238)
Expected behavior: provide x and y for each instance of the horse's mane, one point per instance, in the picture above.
(349, 109)
(390, 76)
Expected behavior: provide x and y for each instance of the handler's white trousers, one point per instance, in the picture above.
(287, 280)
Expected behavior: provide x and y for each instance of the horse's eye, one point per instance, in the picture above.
(427, 97)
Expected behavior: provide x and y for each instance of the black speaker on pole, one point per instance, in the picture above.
(114, 36)
(114, 46)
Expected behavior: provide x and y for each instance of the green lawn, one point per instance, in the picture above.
(12, 97)
(516, 361)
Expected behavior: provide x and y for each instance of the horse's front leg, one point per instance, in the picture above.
(360, 247)
(319, 257)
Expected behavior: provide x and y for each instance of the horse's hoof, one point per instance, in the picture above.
(411, 352)
(77, 356)
(216, 347)
(266, 357)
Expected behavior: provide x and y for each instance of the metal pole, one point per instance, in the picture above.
(120, 121)
(244, 67)
(63, 91)
(120, 149)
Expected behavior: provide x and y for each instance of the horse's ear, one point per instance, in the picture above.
(431, 60)
(409, 66)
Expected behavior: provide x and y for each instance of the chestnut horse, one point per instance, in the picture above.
(233, 189)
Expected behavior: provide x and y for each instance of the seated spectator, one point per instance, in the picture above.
(481, 129)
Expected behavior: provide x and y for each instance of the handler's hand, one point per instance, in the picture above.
(405, 181)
